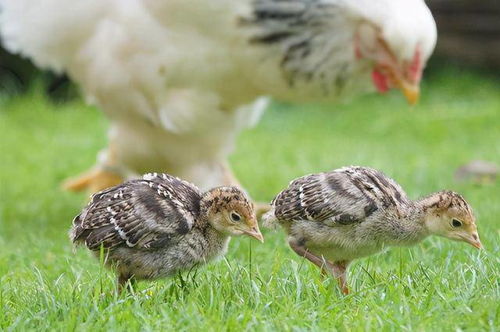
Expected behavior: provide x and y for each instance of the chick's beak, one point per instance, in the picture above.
(255, 233)
(474, 241)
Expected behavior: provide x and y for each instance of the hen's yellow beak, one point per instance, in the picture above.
(410, 90)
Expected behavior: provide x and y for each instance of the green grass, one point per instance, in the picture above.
(437, 285)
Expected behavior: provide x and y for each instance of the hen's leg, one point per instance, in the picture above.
(231, 180)
(261, 208)
(93, 180)
(97, 178)
(228, 177)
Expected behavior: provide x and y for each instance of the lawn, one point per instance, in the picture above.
(437, 285)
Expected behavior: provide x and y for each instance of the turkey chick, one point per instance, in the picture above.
(159, 225)
(335, 217)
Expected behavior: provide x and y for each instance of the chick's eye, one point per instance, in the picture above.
(235, 216)
(456, 223)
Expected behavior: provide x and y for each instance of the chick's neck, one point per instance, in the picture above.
(422, 214)
(409, 227)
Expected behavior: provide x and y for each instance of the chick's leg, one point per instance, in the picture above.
(316, 260)
(339, 270)
(126, 282)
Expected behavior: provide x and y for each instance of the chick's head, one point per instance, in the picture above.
(230, 211)
(449, 215)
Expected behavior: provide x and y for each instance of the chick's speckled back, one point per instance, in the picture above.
(344, 196)
(146, 213)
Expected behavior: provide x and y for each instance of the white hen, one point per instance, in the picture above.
(172, 75)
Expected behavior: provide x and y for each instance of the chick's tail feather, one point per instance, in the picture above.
(269, 220)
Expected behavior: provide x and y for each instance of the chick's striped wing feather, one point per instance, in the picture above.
(329, 198)
(145, 213)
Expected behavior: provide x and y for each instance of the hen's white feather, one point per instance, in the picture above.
(173, 76)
